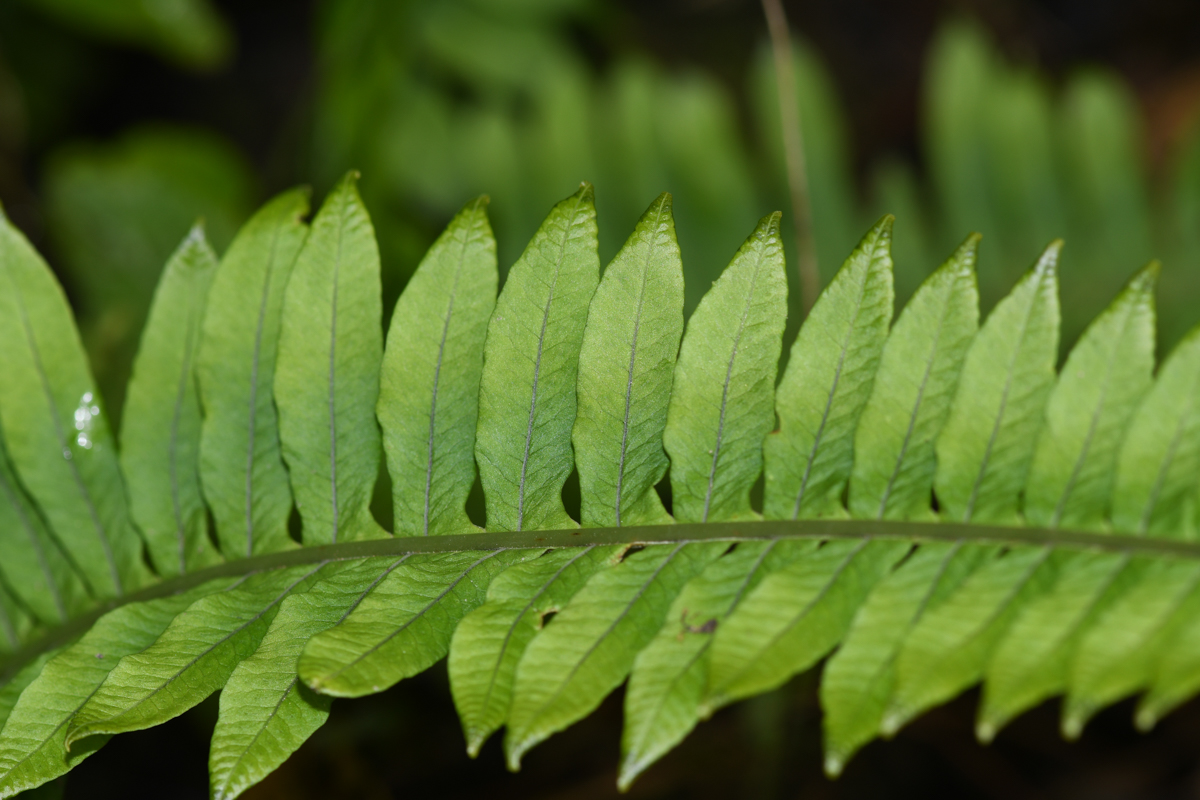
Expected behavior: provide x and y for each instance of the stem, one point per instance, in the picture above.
(793, 150)
(764, 530)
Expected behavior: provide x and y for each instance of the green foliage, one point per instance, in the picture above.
(940, 507)
(187, 31)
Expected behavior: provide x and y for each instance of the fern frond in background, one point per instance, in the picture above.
(941, 507)
(436, 101)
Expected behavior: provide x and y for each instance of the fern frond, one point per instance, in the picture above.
(941, 507)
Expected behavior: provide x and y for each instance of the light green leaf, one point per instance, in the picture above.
(33, 741)
(241, 469)
(490, 641)
(332, 309)
(1070, 482)
(794, 617)
(57, 434)
(404, 626)
(1032, 660)
(1117, 655)
(894, 461)
(590, 646)
(429, 387)
(670, 674)
(192, 658)
(527, 393)
(266, 712)
(16, 683)
(983, 452)
(721, 403)
(949, 646)
(1104, 379)
(859, 678)
(36, 567)
(160, 440)
(1155, 483)
(1160, 458)
(827, 383)
(626, 365)
(1175, 672)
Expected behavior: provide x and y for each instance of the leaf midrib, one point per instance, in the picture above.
(255, 358)
(537, 364)
(1008, 381)
(437, 370)
(851, 329)
(637, 327)
(737, 341)
(44, 379)
(747, 531)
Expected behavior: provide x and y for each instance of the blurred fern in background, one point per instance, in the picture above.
(439, 101)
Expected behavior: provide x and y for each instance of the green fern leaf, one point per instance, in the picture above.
(573, 664)
(894, 462)
(241, 464)
(489, 642)
(33, 748)
(163, 472)
(1070, 481)
(429, 397)
(625, 372)
(1004, 523)
(327, 405)
(893, 476)
(827, 383)
(721, 404)
(56, 432)
(266, 712)
(983, 455)
(670, 676)
(1155, 482)
(798, 614)
(404, 626)
(192, 658)
(527, 394)
(634, 325)
(1005, 382)
(36, 568)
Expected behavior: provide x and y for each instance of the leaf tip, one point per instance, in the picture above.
(629, 771)
(1145, 279)
(1047, 264)
(969, 249)
(587, 192)
(985, 731)
(1072, 725)
(512, 754)
(834, 764)
(1145, 719)
(892, 722)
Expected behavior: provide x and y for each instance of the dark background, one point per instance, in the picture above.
(115, 134)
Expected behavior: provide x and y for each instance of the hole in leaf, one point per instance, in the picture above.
(571, 496)
(295, 527)
(663, 488)
(757, 491)
(628, 551)
(381, 499)
(476, 505)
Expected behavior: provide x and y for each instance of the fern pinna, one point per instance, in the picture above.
(939, 506)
